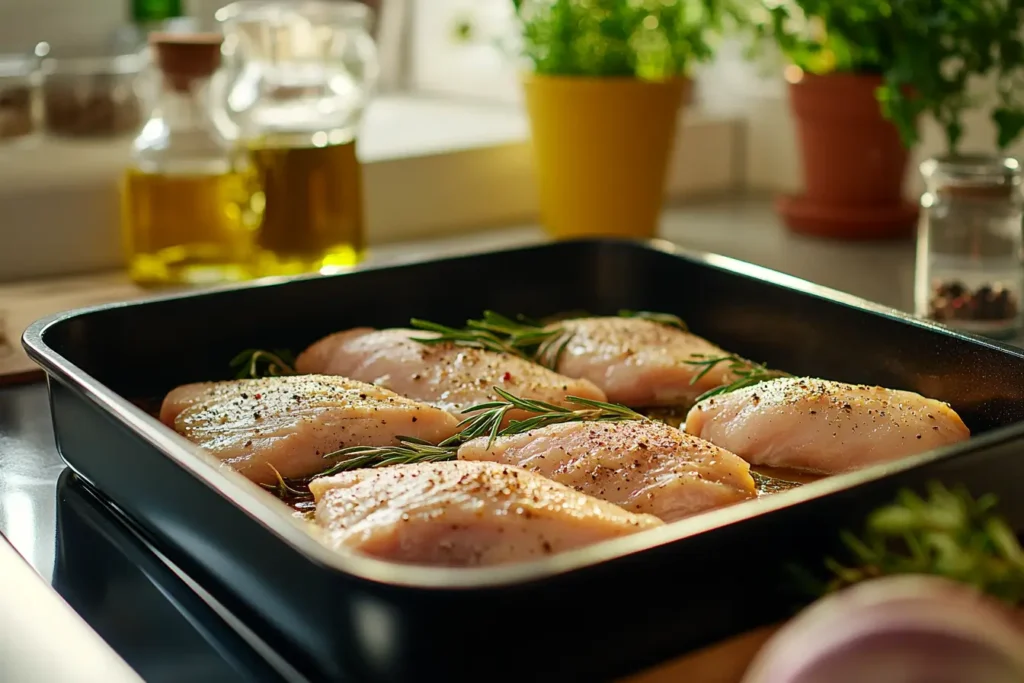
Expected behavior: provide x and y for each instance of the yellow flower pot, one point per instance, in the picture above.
(601, 149)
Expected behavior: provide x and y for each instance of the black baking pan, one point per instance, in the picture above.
(593, 614)
(165, 628)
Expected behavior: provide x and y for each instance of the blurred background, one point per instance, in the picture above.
(447, 154)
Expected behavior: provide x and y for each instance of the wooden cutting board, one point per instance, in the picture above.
(723, 662)
(21, 303)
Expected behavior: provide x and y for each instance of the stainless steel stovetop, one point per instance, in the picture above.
(151, 615)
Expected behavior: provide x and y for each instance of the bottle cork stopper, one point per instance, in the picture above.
(185, 57)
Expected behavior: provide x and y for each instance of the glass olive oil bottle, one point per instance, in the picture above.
(312, 206)
(187, 214)
(305, 74)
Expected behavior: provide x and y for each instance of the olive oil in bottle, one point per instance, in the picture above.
(312, 201)
(185, 227)
(186, 215)
(297, 105)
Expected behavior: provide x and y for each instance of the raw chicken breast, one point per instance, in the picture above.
(822, 426)
(289, 423)
(450, 377)
(639, 362)
(643, 466)
(462, 514)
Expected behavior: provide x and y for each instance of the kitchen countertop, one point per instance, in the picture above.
(744, 228)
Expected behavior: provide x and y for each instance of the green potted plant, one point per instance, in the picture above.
(861, 74)
(604, 89)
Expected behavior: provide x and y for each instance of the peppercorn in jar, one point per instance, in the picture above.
(969, 272)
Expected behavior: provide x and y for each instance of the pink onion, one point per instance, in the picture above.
(898, 629)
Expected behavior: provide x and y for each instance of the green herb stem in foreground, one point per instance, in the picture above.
(948, 534)
(748, 373)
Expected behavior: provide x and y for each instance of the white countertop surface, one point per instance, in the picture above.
(745, 228)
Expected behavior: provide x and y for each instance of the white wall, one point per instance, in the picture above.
(74, 22)
(27, 22)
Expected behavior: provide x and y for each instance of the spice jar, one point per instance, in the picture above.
(92, 94)
(969, 272)
(17, 87)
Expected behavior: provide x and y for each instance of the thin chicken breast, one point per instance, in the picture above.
(642, 466)
(290, 423)
(462, 514)
(638, 362)
(823, 426)
(450, 377)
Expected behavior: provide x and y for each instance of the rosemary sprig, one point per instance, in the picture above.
(257, 363)
(486, 421)
(495, 332)
(948, 533)
(748, 373)
(490, 416)
(408, 450)
(463, 337)
(286, 488)
(543, 344)
(522, 336)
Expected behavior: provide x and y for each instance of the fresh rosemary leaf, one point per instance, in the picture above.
(948, 534)
(408, 450)
(495, 332)
(748, 373)
(462, 337)
(522, 336)
(662, 318)
(257, 363)
(285, 489)
(486, 420)
(549, 353)
(540, 343)
(474, 338)
(579, 410)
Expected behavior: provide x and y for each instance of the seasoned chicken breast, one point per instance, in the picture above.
(462, 514)
(638, 362)
(822, 426)
(642, 466)
(289, 423)
(450, 377)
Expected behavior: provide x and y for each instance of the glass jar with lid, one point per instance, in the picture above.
(93, 91)
(186, 215)
(18, 75)
(969, 271)
(304, 74)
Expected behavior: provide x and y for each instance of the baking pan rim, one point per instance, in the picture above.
(252, 501)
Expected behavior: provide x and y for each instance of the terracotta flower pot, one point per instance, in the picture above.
(601, 148)
(854, 163)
